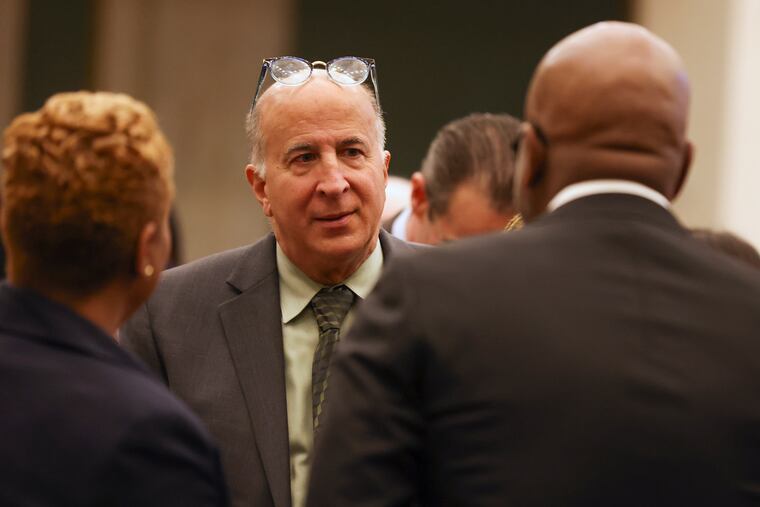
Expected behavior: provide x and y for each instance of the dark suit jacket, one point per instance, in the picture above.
(599, 357)
(2, 260)
(213, 331)
(83, 423)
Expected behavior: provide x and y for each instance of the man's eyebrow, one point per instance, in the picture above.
(350, 141)
(299, 148)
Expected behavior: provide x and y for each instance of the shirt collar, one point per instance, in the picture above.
(398, 228)
(592, 187)
(297, 289)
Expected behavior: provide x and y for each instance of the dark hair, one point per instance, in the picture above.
(83, 175)
(729, 244)
(476, 148)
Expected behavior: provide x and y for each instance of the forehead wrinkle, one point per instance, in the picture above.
(300, 147)
(337, 126)
(352, 140)
(306, 113)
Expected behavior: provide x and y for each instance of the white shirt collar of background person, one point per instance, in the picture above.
(586, 188)
(398, 228)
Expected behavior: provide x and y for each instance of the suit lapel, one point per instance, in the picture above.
(391, 245)
(252, 324)
(253, 329)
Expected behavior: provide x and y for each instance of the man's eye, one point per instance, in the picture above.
(304, 158)
(353, 152)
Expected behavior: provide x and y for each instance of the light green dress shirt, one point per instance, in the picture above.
(300, 335)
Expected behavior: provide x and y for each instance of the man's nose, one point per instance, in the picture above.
(332, 180)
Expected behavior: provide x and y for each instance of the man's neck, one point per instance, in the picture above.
(336, 272)
(418, 230)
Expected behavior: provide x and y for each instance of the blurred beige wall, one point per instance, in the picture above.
(12, 17)
(196, 63)
(740, 192)
(718, 41)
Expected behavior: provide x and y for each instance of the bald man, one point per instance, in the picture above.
(239, 335)
(600, 356)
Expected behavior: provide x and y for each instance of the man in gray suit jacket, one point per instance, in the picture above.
(234, 334)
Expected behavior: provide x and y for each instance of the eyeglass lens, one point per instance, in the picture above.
(294, 71)
(348, 70)
(290, 71)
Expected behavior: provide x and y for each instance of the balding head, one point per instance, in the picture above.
(612, 102)
(279, 93)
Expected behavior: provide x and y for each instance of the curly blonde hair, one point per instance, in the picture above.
(82, 176)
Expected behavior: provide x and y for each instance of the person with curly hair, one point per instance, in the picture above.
(86, 191)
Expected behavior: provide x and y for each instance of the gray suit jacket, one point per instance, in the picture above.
(213, 332)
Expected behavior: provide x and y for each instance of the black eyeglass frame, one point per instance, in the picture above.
(318, 64)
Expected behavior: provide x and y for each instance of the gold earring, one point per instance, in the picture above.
(515, 223)
(148, 270)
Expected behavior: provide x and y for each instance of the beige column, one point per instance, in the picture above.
(739, 197)
(196, 63)
(718, 41)
(698, 31)
(12, 21)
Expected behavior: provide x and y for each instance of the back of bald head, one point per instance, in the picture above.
(612, 99)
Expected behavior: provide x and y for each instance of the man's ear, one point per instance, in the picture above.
(529, 172)
(419, 199)
(259, 189)
(534, 152)
(387, 164)
(688, 156)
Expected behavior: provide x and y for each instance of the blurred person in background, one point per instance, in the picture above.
(86, 191)
(465, 185)
(246, 336)
(729, 244)
(397, 193)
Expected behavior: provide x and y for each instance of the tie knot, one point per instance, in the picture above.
(330, 306)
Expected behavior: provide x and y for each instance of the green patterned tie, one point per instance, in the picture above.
(330, 306)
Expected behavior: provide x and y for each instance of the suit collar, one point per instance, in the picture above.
(397, 224)
(27, 313)
(255, 265)
(297, 289)
(599, 207)
(609, 186)
(393, 246)
(259, 261)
